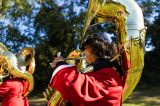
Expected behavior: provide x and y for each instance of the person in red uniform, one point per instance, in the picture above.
(11, 91)
(100, 87)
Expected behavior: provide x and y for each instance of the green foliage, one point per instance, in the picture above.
(43, 70)
(149, 8)
(58, 26)
(154, 31)
(151, 71)
(13, 39)
(15, 8)
(61, 26)
(15, 15)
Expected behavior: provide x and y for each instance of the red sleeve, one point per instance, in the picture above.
(75, 86)
(4, 88)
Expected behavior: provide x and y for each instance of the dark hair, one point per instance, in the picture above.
(100, 46)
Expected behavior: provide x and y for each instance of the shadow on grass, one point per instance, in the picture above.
(144, 96)
(36, 98)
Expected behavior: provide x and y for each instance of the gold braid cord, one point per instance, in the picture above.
(10, 66)
(130, 33)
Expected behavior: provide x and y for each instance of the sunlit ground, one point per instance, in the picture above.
(144, 96)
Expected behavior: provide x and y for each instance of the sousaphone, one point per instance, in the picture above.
(10, 66)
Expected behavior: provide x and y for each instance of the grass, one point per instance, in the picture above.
(144, 96)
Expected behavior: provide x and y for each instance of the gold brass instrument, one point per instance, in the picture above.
(76, 58)
(52, 95)
(26, 58)
(2, 74)
(128, 17)
(130, 34)
(12, 64)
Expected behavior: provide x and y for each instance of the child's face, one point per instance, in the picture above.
(90, 57)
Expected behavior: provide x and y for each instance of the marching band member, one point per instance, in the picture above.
(11, 91)
(100, 87)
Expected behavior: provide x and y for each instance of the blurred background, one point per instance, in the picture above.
(50, 26)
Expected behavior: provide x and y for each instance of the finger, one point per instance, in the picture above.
(58, 54)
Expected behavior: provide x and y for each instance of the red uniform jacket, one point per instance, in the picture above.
(11, 90)
(98, 88)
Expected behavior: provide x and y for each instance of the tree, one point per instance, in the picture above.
(150, 8)
(152, 58)
(16, 24)
(154, 31)
(58, 28)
